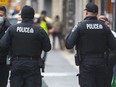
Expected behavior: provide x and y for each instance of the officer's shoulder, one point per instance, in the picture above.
(104, 25)
(80, 23)
(12, 26)
(38, 28)
(76, 27)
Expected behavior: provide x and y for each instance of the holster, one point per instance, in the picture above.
(42, 64)
(77, 58)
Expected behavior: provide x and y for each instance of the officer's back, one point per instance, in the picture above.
(95, 37)
(92, 39)
(27, 39)
(91, 36)
(26, 42)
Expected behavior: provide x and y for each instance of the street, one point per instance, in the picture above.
(78, 19)
(60, 70)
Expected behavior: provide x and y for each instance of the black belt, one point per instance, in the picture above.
(93, 55)
(25, 57)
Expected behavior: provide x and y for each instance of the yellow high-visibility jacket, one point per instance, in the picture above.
(44, 26)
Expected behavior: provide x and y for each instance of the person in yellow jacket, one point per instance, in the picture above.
(43, 24)
(42, 21)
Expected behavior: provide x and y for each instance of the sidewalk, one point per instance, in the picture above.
(67, 53)
(43, 84)
(70, 57)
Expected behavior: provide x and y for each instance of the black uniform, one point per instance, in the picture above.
(4, 69)
(92, 39)
(26, 42)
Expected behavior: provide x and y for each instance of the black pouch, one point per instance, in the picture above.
(42, 64)
(77, 58)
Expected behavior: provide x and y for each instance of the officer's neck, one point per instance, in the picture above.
(27, 20)
(90, 18)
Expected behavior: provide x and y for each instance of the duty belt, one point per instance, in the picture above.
(25, 57)
(93, 55)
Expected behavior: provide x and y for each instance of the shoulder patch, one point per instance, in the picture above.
(75, 27)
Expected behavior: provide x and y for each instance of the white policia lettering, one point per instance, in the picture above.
(94, 26)
(25, 29)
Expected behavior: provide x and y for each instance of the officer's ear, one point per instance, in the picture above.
(85, 13)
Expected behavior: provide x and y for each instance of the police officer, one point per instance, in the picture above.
(92, 39)
(4, 69)
(27, 42)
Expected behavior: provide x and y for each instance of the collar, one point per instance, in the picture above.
(6, 23)
(27, 21)
(90, 18)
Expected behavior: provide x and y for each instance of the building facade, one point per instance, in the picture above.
(70, 11)
(106, 7)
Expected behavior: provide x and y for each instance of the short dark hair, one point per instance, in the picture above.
(44, 12)
(57, 16)
(27, 12)
(2, 8)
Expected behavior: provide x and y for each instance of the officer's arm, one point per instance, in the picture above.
(112, 41)
(46, 45)
(5, 40)
(72, 37)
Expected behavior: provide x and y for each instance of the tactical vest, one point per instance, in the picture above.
(92, 37)
(26, 41)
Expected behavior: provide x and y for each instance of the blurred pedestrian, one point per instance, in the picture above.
(43, 24)
(110, 54)
(92, 38)
(27, 42)
(16, 10)
(57, 26)
(43, 17)
(4, 69)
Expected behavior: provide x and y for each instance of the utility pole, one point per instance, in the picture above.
(102, 7)
(114, 14)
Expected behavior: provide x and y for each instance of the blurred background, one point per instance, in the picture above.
(60, 70)
(70, 11)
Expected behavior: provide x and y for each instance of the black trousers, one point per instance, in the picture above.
(93, 73)
(59, 35)
(4, 73)
(25, 71)
(110, 75)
